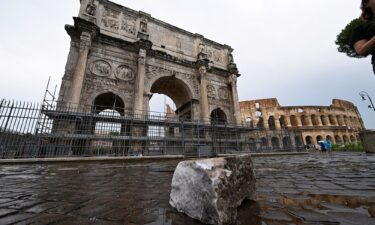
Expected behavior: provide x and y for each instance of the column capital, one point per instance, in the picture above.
(85, 41)
(142, 57)
(232, 79)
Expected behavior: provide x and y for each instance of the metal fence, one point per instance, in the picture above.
(29, 130)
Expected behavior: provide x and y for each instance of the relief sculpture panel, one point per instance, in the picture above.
(110, 19)
(100, 68)
(124, 73)
(211, 92)
(223, 93)
(129, 26)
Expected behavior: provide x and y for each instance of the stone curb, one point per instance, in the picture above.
(126, 158)
(270, 154)
(90, 159)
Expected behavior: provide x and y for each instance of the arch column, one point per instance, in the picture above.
(319, 119)
(326, 121)
(203, 95)
(277, 124)
(309, 121)
(287, 121)
(236, 106)
(79, 72)
(140, 82)
(299, 122)
(265, 121)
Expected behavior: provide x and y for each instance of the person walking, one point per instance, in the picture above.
(328, 145)
(363, 36)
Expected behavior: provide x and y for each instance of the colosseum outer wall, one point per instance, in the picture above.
(340, 122)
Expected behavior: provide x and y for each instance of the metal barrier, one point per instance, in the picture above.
(29, 130)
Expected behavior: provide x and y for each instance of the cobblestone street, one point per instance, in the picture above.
(305, 189)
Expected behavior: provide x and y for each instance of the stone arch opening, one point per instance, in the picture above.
(329, 137)
(178, 92)
(252, 144)
(275, 143)
(352, 138)
(298, 140)
(271, 123)
(108, 101)
(286, 142)
(260, 122)
(319, 138)
(309, 140)
(282, 121)
(218, 116)
(264, 143)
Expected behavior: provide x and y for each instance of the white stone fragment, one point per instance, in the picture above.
(210, 190)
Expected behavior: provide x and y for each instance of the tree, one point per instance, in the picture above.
(343, 39)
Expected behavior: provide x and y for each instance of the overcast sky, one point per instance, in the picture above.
(283, 49)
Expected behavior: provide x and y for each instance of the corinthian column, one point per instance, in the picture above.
(203, 95)
(79, 72)
(138, 104)
(236, 105)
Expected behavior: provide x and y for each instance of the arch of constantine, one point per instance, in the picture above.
(340, 122)
(121, 57)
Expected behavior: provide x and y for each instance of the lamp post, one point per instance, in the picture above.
(364, 94)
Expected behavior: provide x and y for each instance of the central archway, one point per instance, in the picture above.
(176, 90)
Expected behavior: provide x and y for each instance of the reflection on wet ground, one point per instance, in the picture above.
(305, 189)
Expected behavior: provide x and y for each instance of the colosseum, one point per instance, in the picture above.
(279, 126)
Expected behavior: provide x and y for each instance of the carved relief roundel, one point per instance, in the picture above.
(100, 68)
(124, 73)
(223, 93)
(211, 91)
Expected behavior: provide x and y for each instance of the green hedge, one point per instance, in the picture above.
(353, 147)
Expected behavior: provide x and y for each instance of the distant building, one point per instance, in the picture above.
(340, 122)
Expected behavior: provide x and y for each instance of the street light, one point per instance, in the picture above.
(364, 94)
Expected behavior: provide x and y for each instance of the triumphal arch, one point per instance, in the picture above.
(121, 57)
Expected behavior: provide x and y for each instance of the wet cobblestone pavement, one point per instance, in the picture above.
(303, 190)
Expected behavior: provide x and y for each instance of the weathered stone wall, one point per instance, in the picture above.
(341, 121)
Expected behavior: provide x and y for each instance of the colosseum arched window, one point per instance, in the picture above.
(293, 121)
(282, 121)
(286, 142)
(264, 143)
(275, 143)
(352, 138)
(271, 123)
(309, 140)
(260, 123)
(329, 137)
